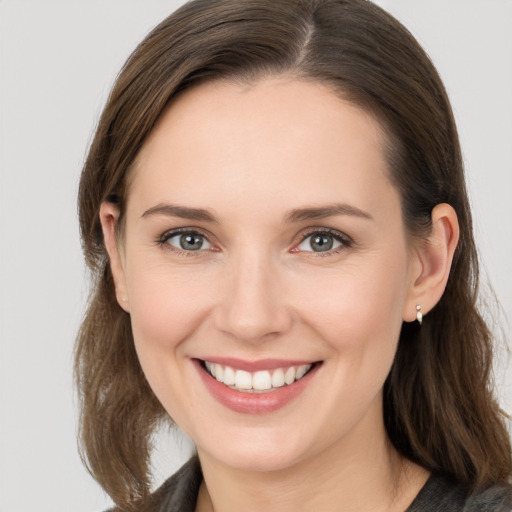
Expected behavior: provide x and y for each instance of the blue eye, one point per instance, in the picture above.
(189, 241)
(322, 242)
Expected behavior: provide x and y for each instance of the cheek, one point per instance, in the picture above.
(358, 308)
(166, 306)
(357, 313)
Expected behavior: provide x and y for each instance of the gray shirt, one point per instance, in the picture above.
(439, 494)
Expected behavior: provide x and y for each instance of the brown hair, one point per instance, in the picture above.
(438, 403)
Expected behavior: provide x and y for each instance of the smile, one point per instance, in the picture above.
(256, 382)
(255, 387)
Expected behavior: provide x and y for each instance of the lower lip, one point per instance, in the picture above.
(254, 403)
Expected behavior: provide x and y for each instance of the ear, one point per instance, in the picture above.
(433, 259)
(109, 216)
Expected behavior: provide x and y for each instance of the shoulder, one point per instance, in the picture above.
(497, 498)
(440, 494)
(179, 492)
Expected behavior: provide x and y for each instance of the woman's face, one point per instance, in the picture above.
(263, 239)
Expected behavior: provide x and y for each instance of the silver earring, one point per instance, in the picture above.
(419, 315)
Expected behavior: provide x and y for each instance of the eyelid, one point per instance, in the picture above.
(167, 235)
(339, 236)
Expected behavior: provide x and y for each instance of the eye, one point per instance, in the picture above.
(188, 241)
(323, 242)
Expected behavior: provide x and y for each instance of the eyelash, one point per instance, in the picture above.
(344, 240)
(163, 240)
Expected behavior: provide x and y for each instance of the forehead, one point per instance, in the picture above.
(278, 139)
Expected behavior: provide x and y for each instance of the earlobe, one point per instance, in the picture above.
(434, 259)
(109, 216)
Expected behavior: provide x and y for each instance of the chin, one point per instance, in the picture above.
(267, 462)
(257, 453)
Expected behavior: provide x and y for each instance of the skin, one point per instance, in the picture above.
(249, 155)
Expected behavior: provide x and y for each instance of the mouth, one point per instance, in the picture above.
(257, 387)
(261, 381)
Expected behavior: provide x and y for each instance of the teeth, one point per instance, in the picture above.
(262, 380)
(243, 380)
(301, 371)
(278, 378)
(218, 372)
(229, 376)
(289, 376)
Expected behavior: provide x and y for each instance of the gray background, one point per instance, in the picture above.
(58, 60)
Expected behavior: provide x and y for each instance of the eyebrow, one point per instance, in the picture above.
(321, 212)
(294, 216)
(183, 212)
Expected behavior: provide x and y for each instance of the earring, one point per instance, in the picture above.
(419, 315)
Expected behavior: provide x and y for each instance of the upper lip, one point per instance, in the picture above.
(254, 366)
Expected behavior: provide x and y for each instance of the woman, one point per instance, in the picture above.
(275, 212)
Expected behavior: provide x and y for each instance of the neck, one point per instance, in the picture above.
(359, 472)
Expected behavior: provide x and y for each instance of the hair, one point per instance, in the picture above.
(439, 408)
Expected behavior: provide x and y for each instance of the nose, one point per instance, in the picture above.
(253, 305)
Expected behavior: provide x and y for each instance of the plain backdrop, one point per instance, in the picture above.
(58, 60)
